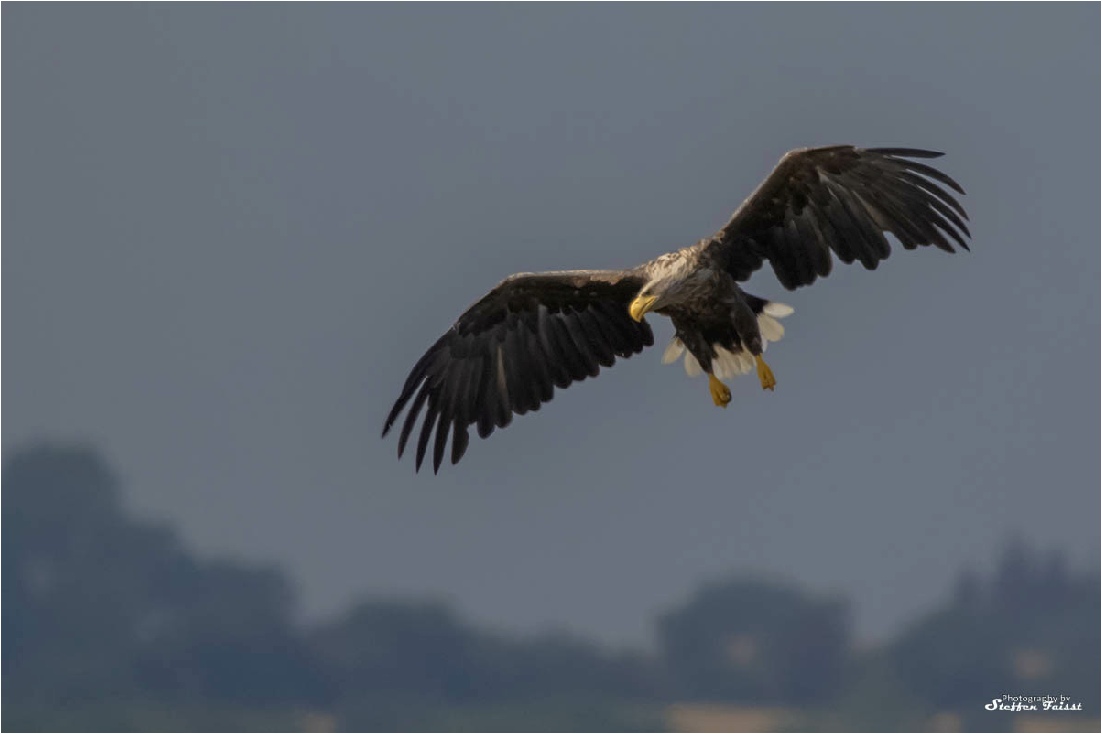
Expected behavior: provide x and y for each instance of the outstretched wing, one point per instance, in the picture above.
(843, 199)
(509, 351)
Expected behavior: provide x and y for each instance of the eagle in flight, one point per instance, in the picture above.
(537, 331)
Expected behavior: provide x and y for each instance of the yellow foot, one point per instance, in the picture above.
(768, 382)
(721, 394)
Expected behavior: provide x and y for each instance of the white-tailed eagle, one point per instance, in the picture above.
(537, 331)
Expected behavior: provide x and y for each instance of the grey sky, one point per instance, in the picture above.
(230, 230)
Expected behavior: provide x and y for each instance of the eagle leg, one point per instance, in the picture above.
(768, 382)
(721, 394)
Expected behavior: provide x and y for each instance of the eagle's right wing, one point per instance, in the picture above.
(509, 351)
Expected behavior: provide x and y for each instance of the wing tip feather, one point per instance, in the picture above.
(907, 152)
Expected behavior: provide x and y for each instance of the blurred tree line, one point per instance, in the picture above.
(109, 623)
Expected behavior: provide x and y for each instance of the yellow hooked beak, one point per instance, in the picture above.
(640, 306)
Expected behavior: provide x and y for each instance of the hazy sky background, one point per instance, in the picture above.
(230, 230)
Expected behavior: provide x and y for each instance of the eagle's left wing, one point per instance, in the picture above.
(841, 199)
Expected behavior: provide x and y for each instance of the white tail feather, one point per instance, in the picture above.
(771, 329)
(732, 364)
(724, 363)
(745, 362)
(673, 351)
(778, 310)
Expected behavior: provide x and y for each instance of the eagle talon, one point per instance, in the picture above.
(721, 394)
(768, 382)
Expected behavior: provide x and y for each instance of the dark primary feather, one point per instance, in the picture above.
(843, 199)
(509, 351)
